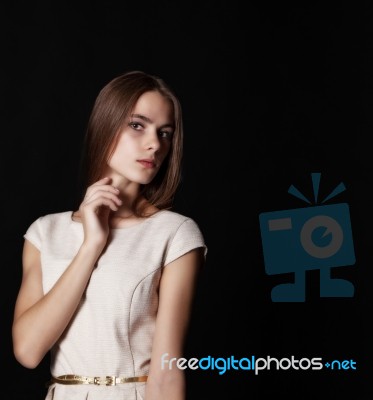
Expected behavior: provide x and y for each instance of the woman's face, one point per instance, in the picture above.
(144, 141)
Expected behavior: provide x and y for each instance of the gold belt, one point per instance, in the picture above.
(96, 380)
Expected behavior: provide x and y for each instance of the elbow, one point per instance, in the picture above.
(26, 356)
(26, 359)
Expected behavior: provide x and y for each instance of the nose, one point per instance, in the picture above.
(152, 140)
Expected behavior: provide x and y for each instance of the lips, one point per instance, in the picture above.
(147, 163)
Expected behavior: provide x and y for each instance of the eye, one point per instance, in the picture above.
(166, 135)
(135, 125)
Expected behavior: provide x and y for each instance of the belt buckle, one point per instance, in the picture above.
(107, 380)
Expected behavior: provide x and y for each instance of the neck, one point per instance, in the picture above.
(134, 208)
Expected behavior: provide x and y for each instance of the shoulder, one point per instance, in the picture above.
(54, 219)
(183, 231)
(171, 216)
(48, 222)
(43, 227)
(174, 221)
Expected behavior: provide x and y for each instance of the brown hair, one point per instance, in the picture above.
(113, 105)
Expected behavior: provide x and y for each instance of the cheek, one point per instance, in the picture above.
(166, 150)
(126, 146)
(163, 156)
(120, 153)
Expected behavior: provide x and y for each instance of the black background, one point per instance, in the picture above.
(271, 93)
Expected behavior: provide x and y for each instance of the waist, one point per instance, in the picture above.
(110, 380)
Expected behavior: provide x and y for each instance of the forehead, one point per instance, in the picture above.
(154, 106)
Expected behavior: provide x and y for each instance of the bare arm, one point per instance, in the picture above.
(39, 320)
(177, 289)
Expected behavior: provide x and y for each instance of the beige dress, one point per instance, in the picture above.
(112, 330)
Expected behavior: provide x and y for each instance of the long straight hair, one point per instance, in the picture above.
(111, 109)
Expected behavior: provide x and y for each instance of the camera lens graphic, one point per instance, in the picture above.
(332, 228)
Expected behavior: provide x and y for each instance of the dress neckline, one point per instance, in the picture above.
(140, 223)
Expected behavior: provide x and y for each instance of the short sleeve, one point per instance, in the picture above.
(187, 237)
(34, 234)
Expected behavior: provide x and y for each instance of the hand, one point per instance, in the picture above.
(100, 199)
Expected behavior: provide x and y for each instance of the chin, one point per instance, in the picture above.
(143, 180)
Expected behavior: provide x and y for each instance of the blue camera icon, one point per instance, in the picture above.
(309, 238)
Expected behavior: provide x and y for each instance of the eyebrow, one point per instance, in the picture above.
(148, 120)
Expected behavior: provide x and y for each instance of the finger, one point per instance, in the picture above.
(105, 194)
(101, 189)
(102, 201)
(102, 181)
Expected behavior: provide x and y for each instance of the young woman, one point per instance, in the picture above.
(108, 288)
